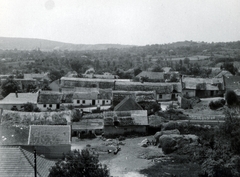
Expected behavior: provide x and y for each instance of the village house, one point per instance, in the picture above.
(164, 91)
(90, 125)
(17, 101)
(202, 87)
(16, 161)
(151, 76)
(55, 85)
(127, 104)
(48, 100)
(100, 98)
(50, 140)
(67, 82)
(119, 95)
(125, 122)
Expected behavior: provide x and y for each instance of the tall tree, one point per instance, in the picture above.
(9, 86)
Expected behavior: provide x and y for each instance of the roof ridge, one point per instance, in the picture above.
(121, 103)
(22, 150)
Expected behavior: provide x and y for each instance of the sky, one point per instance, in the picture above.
(132, 22)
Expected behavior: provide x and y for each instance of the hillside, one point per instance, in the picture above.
(7, 43)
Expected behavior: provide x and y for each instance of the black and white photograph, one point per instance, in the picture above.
(119, 88)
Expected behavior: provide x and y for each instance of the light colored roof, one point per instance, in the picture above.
(152, 75)
(85, 124)
(35, 76)
(85, 89)
(202, 83)
(21, 99)
(223, 73)
(93, 79)
(15, 161)
(49, 134)
(126, 118)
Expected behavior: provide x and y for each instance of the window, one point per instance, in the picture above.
(83, 101)
(50, 105)
(160, 96)
(78, 101)
(44, 106)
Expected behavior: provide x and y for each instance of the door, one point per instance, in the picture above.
(93, 102)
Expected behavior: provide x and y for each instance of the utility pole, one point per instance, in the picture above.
(35, 163)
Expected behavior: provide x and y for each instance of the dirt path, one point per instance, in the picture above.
(129, 160)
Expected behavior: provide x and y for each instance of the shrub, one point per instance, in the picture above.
(231, 97)
(217, 104)
(79, 163)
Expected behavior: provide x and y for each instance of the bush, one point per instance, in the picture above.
(217, 104)
(81, 164)
(231, 97)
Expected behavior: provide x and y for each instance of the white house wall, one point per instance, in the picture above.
(42, 108)
(89, 102)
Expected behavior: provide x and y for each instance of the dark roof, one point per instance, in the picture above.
(232, 82)
(160, 88)
(15, 161)
(85, 95)
(151, 75)
(49, 97)
(127, 104)
(105, 94)
(126, 118)
(49, 134)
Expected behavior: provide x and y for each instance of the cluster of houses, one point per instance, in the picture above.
(125, 98)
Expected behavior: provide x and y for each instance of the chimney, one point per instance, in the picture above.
(114, 83)
(16, 94)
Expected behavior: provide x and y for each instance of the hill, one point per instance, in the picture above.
(7, 43)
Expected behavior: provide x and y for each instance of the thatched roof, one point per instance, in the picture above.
(126, 118)
(48, 97)
(203, 83)
(85, 124)
(85, 95)
(160, 88)
(151, 75)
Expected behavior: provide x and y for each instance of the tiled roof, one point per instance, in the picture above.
(21, 99)
(49, 134)
(152, 75)
(127, 104)
(49, 97)
(17, 162)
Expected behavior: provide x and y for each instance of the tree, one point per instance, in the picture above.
(9, 86)
(231, 97)
(76, 115)
(186, 61)
(79, 164)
